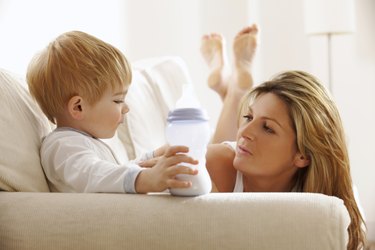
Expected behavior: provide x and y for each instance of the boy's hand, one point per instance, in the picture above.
(162, 175)
(161, 151)
(148, 163)
(157, 153)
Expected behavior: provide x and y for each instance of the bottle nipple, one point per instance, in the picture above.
(188, 98)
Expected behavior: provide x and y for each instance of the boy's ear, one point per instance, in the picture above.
(75, 107)
(301, 161)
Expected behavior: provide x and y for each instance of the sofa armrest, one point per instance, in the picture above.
(161, 221)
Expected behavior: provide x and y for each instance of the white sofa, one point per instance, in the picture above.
(31, 217)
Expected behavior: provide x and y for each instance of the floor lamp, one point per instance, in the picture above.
(328, 18)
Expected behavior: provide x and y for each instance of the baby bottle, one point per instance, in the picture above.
(188, 125)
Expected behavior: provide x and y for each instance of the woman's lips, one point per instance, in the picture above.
(244, 150)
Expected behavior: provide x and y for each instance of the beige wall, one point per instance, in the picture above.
(28, 26)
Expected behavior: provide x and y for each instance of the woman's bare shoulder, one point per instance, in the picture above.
(219, 163)
(218, 152)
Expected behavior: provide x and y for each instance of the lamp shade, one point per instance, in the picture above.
(329, 16)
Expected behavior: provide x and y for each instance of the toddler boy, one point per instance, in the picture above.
(80, 83)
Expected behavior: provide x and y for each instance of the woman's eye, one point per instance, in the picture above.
(119, 101)
(268, 129)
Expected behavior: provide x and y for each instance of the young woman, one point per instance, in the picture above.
(289, 137)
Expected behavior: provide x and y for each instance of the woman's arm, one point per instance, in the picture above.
(219, 163)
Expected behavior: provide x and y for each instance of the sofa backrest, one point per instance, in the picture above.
(22, 125)
(156, 86)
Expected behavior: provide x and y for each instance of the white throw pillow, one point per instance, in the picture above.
(22, 126)
(157, 85)
(145, 121)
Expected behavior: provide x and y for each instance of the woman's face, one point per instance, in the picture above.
(266, 141)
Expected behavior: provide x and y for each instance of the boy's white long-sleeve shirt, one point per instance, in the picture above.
(76, 162)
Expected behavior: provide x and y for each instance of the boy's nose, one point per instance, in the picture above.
(125, 109)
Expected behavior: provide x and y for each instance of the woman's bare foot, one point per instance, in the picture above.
(238, 85)
(213, 52)
(244, 47)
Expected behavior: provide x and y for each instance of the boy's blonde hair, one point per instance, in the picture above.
(75, 63)
(320, 137)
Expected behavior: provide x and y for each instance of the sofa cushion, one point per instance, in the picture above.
(22, 126)
(157, 84)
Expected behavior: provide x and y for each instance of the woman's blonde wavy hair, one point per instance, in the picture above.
(75, 63)
(319, 137)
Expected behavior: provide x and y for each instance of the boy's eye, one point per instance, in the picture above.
(119, 101)
(248, 118)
